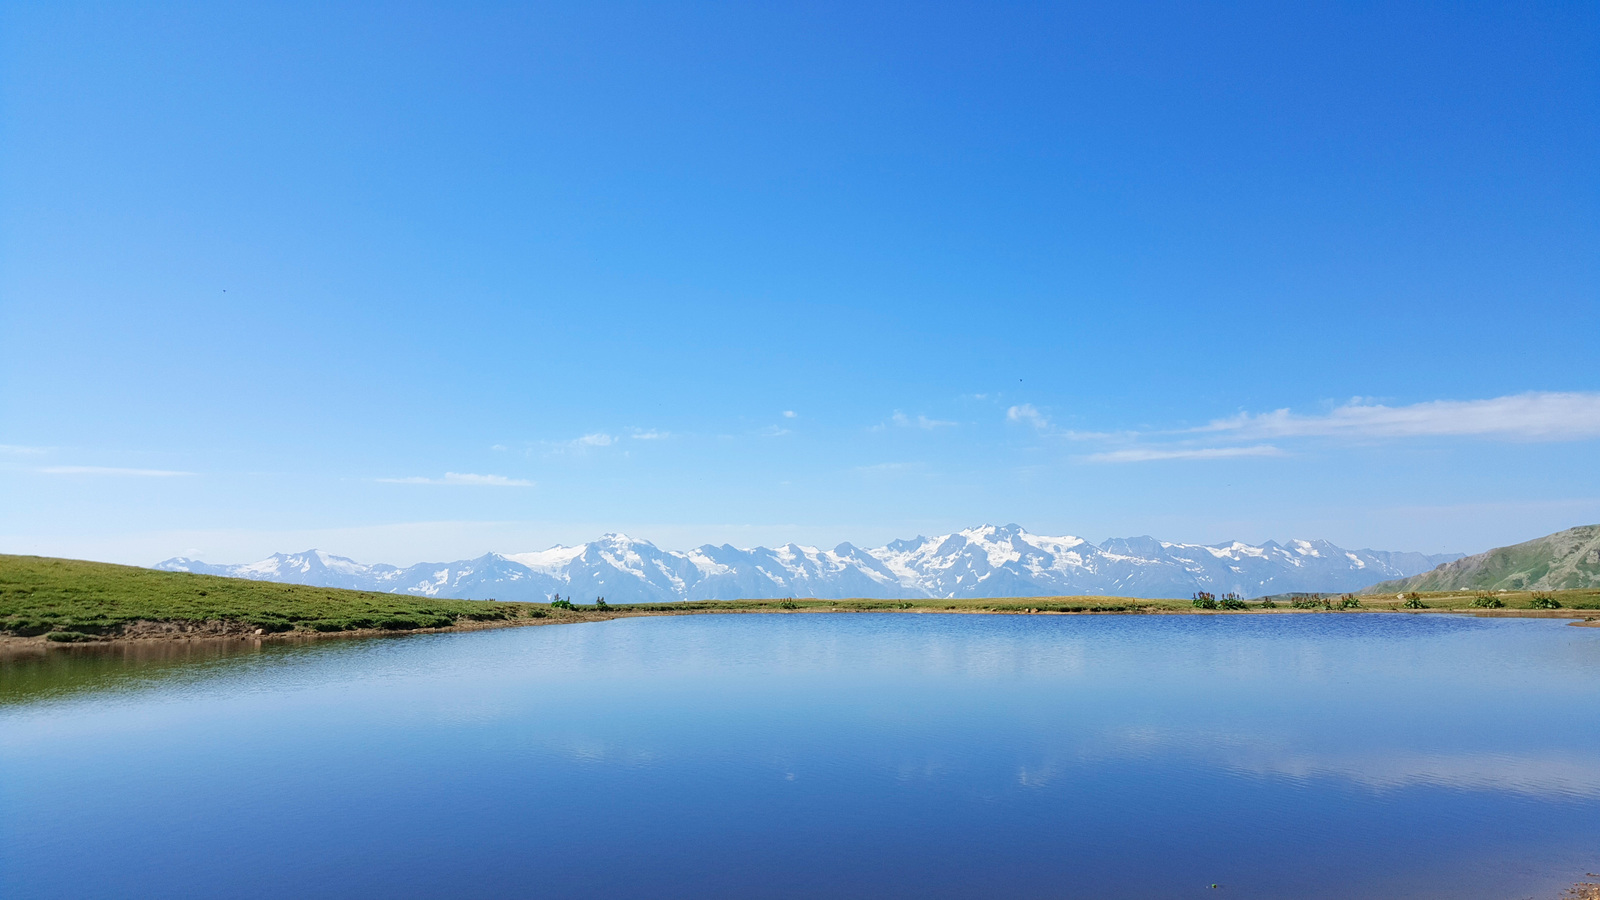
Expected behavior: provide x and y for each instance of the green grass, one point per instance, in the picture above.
(64, 598)
(1506, 602)
(70, 601)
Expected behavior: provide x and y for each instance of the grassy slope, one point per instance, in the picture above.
(1566, 560)
(41, 595)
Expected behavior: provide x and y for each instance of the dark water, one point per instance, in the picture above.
(852, 755)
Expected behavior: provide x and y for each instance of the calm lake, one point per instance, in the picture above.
(818, 755)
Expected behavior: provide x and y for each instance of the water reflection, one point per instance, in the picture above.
(43, 672)
(817, 756)
(1571, 773)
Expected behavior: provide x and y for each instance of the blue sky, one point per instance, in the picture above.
(409, 281)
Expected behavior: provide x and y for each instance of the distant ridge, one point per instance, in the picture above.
(987, 561)
(1561, 561)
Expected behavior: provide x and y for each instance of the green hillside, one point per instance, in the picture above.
(71, 600)
(39, 595)
(1566, 560)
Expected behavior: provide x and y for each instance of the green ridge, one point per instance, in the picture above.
(72, 600)
(40, 595)
(1566, 560)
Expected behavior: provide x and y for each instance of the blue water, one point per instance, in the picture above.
(848, 755)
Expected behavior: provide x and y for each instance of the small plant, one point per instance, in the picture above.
(1305, 603)
(1412, 601)
(788, 604)
(1544, 600)
(1349, 602)
(560, 603)
(1205, 600)
(600, 603)
(1485, 602)
(1266, 603)
(1231, 600)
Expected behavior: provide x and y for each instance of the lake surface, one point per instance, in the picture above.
(818, 755)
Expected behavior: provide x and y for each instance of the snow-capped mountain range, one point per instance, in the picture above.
(988, 561)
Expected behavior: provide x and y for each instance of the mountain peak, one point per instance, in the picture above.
(619, 539)
(985, 561)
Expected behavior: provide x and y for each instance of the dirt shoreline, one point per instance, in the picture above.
(148, 632)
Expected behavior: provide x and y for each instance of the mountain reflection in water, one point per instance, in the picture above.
(816, 755)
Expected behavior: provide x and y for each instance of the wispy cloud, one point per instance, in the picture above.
(112, 471)
(889, 468)
(1027, 413)
(774, 431)
(1534, 416)
(901, 420)
(789, 414)
(581, 444)
(463, 478)
(18, 450)
(590, 443)
(1154, 454)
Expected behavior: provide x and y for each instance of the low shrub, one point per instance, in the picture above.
(271, 624)
(1205, 600)
(560, 603)
(1543, 600)
(1305, 603)
(1413, 602)
(489, 615)
(1266, 603)
(1231, 601)
(27, 627)
(411, 623)
(1349, 602)
(1487, 603)
(600, 603)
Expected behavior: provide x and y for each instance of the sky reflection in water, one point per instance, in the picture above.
(820, 755)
